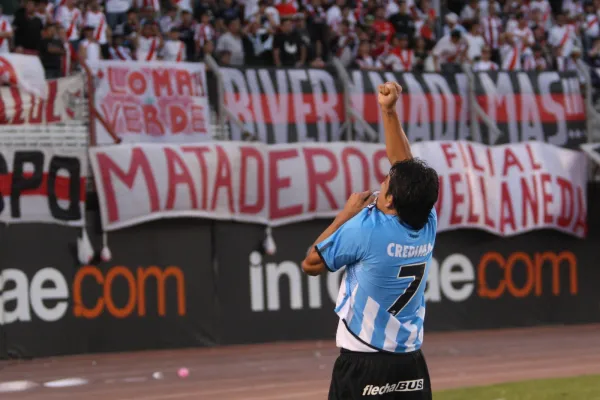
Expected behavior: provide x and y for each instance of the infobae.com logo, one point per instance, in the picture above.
(118, 291)
(402, 386)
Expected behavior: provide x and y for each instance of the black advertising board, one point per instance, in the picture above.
(480, 281)
(156, 292)
(37, 263)
(267, 298)
(476, 281)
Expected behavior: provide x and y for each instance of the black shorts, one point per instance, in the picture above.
(380, 376)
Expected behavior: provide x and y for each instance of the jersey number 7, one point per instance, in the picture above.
(415, 273)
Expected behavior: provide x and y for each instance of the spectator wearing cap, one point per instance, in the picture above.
(96, 19)
(510, 52)
(470, 12)
(71, 19)
(51, 51)
(573, 59)
(173, 49)
(449, 52)
(485, 63)
(89, 49)
(475, 41)
(148, 43)
(288, 48)
(187, 34)
(231, 41)
(381, 26)
(492, 31)
(116, 12)
(452, 24)
(562, 39)
(118, 50)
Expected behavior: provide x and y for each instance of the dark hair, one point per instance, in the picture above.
(414, 188)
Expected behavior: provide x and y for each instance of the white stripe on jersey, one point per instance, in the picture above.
(391, 331)
(368, 322)
(412, 338)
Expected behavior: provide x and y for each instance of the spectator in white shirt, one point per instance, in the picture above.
(475, 41)
(116, 12)
(485, 63)
(449, 52)
(470, 11)
(89, 49)
(334, 15)
(6, 34)
(452, 24)
(231, 41)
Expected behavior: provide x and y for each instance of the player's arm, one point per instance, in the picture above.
(340, 244)
(396, 142)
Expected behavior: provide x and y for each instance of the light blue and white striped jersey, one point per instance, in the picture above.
(381, 299)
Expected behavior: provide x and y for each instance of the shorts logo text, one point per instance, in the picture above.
(402, 386)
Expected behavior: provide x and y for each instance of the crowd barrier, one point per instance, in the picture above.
(189, 282)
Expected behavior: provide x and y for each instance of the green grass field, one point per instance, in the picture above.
(578, 388)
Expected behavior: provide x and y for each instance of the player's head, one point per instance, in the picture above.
(411, 190)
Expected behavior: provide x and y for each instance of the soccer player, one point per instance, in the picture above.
(386, 243)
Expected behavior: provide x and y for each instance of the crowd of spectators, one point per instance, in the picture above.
(397, 35)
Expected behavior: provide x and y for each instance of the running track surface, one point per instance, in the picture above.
(301, 370)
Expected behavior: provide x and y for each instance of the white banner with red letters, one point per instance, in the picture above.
(151, 101)
(505, 190)
(24, 72)
(17, 107)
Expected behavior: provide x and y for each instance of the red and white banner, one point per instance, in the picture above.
(151, 101)
(506, 189)
(18, 107)
(25, 72)
(42, 185)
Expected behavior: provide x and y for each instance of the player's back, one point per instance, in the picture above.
(383, 294)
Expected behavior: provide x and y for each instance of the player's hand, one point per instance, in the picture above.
(356, 203)
(388, 95)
